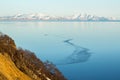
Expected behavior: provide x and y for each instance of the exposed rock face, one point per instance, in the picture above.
(19, 64)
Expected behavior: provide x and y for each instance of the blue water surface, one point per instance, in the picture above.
(81, 50)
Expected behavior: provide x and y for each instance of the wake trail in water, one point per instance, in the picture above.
(79, 54)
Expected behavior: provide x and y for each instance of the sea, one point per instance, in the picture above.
(80, 50)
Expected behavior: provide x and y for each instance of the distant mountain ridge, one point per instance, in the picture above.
(44, 17)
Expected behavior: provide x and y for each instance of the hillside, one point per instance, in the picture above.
(20, 64)
(8, 70)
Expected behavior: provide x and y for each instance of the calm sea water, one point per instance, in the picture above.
(81, 50)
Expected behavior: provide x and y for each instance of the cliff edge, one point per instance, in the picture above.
(20, 64)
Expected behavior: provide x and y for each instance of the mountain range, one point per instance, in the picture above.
(44, 17)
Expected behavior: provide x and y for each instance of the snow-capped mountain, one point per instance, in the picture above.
(44, 17)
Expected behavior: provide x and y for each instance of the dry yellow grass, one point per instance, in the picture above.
(9, 70)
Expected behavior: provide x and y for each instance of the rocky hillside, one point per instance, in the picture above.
(19, 64)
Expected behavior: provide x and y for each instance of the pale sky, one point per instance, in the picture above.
(105, 8)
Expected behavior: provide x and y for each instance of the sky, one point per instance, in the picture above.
(107, 8)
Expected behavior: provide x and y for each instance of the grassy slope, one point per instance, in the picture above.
(9, 70)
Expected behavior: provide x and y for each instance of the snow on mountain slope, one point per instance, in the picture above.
(40, 16)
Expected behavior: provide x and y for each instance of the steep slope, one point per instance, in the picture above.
(19, 64)
(9, 70)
